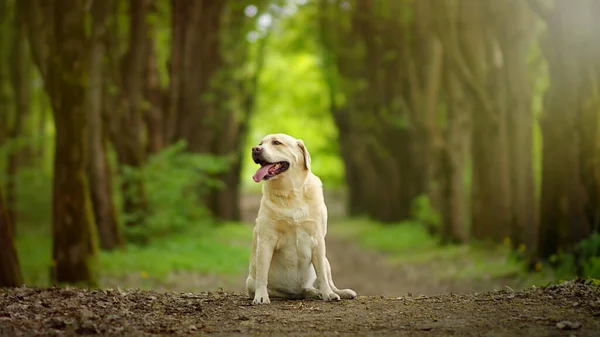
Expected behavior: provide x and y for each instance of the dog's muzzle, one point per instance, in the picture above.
(257, 153)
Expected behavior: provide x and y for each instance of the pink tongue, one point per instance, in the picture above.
(262, 172)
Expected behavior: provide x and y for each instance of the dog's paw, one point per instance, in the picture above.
(261, 297)
(261, 300)
(311, 294)
(330, 296)
(346, 294)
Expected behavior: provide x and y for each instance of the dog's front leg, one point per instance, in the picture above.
(264, 253)
(319, 261)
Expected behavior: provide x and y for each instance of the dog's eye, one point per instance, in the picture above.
(276, 142)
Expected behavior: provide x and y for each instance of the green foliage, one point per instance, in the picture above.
(174, 181)
(424, 212)
(409, 243)
(589, 250)
(33, 183)
(34, 195)
(201, 249)
(292, 98)
(586, 261)
(592, 281)
(591, 267)
(398, 238)
(34, 247)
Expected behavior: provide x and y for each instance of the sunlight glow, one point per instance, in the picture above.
(250, 11)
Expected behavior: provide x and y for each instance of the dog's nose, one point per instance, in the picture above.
(257, 149)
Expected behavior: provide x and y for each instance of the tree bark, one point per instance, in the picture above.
(10, 270)
(196, 116)
(514, 29)
(154, 94)
(99, 171)
(127, 124)
(453, 162)
(64, 70)
(472, 55)
(569, 206)
(234, 118)
(389, 113)
(208, 104)
(5, 97)
(20, 83)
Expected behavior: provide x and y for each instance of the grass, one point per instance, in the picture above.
(221, 250)
(410, 243)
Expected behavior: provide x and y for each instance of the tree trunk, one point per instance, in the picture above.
(196, 116)
(472, 57)
(234, 118)
(10, 271)
(154, 94)
(5, 95)
(20, 82)
(127, 126)
(454, 161)
(569, 206)
(379, 124)
(40, 151)
(208, 105)
(99, 171)
(64, 41)
(514, 28)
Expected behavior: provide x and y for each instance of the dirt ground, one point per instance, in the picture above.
(393, 300)
(571, 309)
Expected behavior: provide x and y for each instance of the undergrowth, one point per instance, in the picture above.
(219, 250)
(409, 242)
(174, 181)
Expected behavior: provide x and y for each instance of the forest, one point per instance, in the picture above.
(458, 142)
(462, 127)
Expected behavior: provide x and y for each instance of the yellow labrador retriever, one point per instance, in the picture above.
(288, 249)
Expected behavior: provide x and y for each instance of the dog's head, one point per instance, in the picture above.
(279, 155)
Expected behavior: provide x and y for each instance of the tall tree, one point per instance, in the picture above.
(238, 82)
(570, 204)
(389, 138)
(489, 61)
(10, 271)
(99, 171)
(453, 160)
(125, 108)
(154, 94)
(514, 27)
(210, 98)
(59, 44)
(5, 95)
(20, 82)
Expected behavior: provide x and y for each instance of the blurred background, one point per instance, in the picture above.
(458, 140)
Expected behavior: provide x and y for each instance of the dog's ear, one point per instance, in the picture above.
(305, 154)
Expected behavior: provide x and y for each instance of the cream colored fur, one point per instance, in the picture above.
(288, 257)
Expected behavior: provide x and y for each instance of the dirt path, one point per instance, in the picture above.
(564, 310)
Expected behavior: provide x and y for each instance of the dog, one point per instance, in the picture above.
(288, 258)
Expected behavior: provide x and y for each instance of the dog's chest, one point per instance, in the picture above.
(296, 245)
(295, 214)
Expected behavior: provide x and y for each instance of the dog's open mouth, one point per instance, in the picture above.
(269, 170)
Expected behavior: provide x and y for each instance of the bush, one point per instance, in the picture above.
(174, 181)
(589, 255)
(425, 213)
